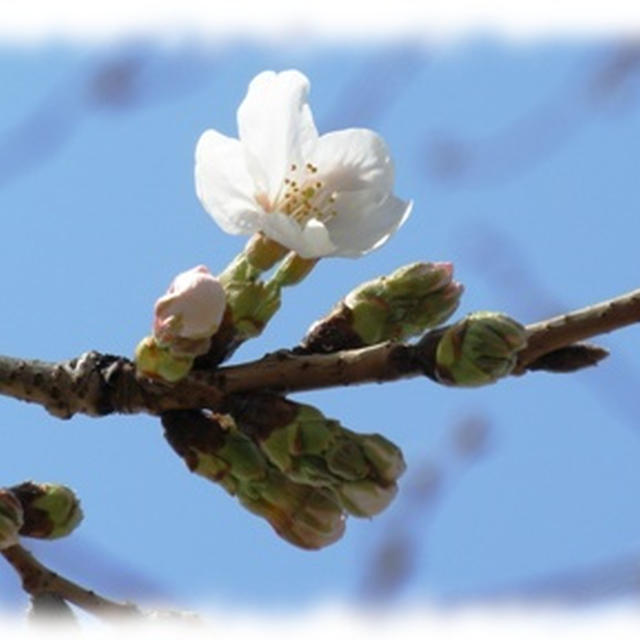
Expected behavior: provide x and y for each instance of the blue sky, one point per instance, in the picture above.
(522, 162)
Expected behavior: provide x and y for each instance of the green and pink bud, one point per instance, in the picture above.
(190, 312)
(413, 298)
(185, 319)
(403, 304)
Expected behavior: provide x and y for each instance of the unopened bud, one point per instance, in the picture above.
(371, 492)
(11, 519)
(155, 361)
(385, 457)
(479, 349)
(50, 510)
(366, 498)
(395, 307)
(307, 516)
(190, 312)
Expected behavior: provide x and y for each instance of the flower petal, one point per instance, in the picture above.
(223, 183)
(353, 159)
(276, 127)
(360, 227)
(310, 241)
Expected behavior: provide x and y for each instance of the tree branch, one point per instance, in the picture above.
(561, 331)
(38, 579)
(96, 384)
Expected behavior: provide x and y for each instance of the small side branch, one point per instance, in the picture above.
(561, 331)
(38, 579)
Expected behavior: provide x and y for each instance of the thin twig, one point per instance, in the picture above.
(561, 331)
(97, 384)
(38, 579)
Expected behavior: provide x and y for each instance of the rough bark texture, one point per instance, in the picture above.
(96, 384)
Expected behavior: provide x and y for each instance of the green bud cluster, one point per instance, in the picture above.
(305, 515)
(50, 510)
(479, 349)
(11, 519)
(360, 469)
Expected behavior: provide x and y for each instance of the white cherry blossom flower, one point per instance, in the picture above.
(327, 195)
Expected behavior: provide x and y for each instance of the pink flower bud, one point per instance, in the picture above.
(192, 308)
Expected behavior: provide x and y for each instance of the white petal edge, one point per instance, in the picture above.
(223, 184)
(365, 230)
(276, 126)
(353, 159)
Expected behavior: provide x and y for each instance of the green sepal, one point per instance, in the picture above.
(157, 361)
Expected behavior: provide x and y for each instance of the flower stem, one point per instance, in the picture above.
(293, 270)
